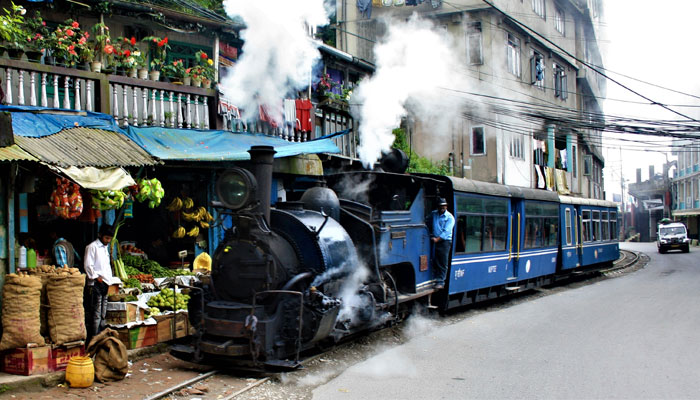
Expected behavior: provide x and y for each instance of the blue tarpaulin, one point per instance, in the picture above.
(38, 122)
(216, 145)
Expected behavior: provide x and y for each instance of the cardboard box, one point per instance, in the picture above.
(60, 355)
(139, 336)
(182, 325)
(27, 361)
(112, 289)
(120, 313)
(164, 327)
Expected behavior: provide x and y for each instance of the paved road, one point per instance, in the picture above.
(634, 337)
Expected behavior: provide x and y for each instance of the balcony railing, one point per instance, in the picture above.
(130, 101)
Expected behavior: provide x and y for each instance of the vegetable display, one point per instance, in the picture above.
(146, 267)
(150, 190)
(168, 299)
(107, 199)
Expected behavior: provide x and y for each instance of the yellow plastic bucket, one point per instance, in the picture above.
(80, 372)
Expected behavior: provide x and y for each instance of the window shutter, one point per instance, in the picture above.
(557, 83)
(564, 87)
(533, 70)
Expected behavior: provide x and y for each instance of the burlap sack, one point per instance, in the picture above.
(20, 312)
(66, 313)
(111, 359)
(44, 311)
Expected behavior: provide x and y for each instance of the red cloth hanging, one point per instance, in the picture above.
(304, 107)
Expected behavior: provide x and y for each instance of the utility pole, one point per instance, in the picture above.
(622, 196)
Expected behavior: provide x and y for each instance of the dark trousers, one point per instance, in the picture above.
(95, 308)
(441, 260)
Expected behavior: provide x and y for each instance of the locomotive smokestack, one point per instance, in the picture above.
(261, 157)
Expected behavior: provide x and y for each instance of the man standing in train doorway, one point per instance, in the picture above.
(442, 224)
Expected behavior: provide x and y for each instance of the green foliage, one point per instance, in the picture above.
(416, 162)
(11, 26)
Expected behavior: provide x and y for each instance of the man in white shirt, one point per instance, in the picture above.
(99, 273)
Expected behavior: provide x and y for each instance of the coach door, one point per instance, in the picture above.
(515, 237)
(570, 251)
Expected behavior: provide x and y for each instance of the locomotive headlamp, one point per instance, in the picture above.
(236, 188)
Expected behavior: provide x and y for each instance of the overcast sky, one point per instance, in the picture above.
(655, 42)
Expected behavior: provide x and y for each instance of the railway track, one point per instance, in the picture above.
(628, 259)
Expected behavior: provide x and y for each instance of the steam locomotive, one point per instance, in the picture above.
(355, 255)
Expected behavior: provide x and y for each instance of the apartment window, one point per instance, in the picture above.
(559, 20)
(574, 166)
(513, 48)
(560, 82)
(474, 44)
(538, 7)
(587, 165)
(516, 146)
(537, 69)
(478, 141)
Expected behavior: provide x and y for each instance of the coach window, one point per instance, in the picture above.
(596, 225)
(613, 226)
(482, 224)
(605, 233)
(586, 217)
(567, 218)
(541, 225)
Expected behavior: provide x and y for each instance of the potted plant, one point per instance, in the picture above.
(158, 49)
(36, 33)
(65, 42)
(204, 68)
(12, 33)
(174, 71)
(102, 48)
(130, 57)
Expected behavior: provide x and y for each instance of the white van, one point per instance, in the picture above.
(672, 235)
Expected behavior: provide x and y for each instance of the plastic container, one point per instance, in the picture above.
(31, 258)
(80, 372)
(22, 257)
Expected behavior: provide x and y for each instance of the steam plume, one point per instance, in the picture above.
(277, 57)
(415, 64)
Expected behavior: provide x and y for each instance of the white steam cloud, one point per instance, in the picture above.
(416, 67)
(278, 55)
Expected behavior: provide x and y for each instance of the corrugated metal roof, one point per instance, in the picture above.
(86, 147)
(15, 153)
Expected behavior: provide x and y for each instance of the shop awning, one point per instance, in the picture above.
(36, 122)
(15, 153)
(113, 178)
(86, 147)
(214, 145)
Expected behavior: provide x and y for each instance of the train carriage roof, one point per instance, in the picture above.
(495, 189)
(586, 201)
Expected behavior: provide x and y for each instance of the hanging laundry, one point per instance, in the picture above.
(562, 187)
(564, 159)
(265, 116)
(539, 176)
(303, 112)
(539, 70)
(290, 112)
(549, 175)
(365, 8)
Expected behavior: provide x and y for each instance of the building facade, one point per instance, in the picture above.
(685, 187)
(532, 57)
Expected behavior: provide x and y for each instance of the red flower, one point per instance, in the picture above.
(109, 49)
(75, 24)
(133, 41)
(166, 40)
(127, 53)
(43, 23)
(70, 32)
(82, 40)
(188, 70)
(204, 56)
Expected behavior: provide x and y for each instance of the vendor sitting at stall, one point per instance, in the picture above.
(99, 275)
(62, 251)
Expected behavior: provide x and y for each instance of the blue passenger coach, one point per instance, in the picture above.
(589, 232)
(509, 238)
